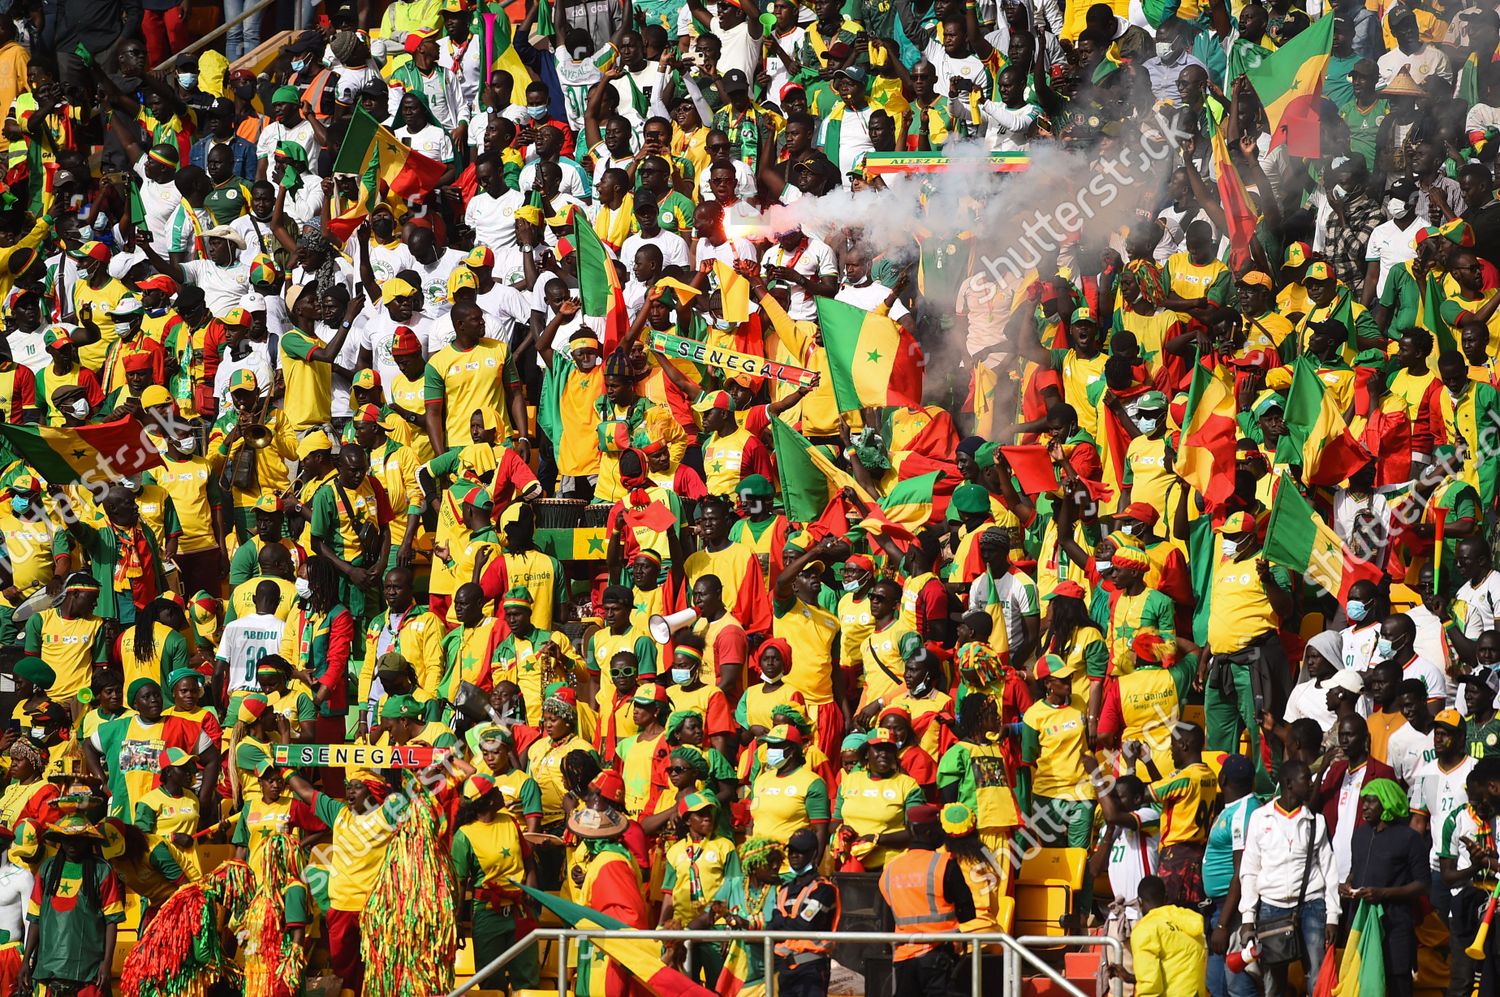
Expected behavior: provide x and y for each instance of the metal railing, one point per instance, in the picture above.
(253, 10)
(1017, 951)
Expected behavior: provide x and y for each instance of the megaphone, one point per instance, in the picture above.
(1240, 960)
(473, 705)
(663, 627)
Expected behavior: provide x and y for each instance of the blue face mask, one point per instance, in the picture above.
(681, 676)
(1357, 610)
(19, 504)
(187, 80)
(775, 757)
(536, 113)
(1384, 650)
(298, 65)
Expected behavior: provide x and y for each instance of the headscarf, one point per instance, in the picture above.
(854, 742)
(1393, 802)
(24, 750)
(1330, 647)
(327, 275)
(781, 644)
(980, 660)
(693, 758)
(787, 713)
(677, 718)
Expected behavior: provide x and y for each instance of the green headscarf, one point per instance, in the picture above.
(694, 759)
(1393, 802)
(676, 720)
(295, 158)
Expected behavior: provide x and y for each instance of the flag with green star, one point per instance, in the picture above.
(872, 360)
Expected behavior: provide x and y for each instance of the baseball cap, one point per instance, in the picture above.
(713, 400)
(314, 442)
(734, 81)
(405, 342)
(94, 250)
(395, 288)
(1053, 667)
(243, 380)
(783, 734)
(1151, 401)
(1296, 254)
(1141, 512)
(1451, 719)
(1084, 314)
(1065, 590)
(366, 378)
(1347, 679)
(855, 74)
(1319, 271)
(1238, 522)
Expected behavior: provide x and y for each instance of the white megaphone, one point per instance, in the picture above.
(663, 627)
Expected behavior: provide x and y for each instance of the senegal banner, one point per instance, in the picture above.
(1363, 969)
(640, 957)
(1289, 83)
(359, 756)
(677, 348)
(405, 172)
(884, 163)
(102, 452)
(1297, 538)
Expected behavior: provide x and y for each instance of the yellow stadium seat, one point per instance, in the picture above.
(1005, 914)
(1044, 890)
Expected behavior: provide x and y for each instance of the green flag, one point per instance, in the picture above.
(804, 490)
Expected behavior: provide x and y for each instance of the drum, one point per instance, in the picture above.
(558, 513)
(34, 603)
(596, 515)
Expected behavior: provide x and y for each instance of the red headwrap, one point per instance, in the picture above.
(379, 789)
(637, 480)
(781, 644)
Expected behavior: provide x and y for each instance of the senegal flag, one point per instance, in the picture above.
(598, 283)
(1205, 458)
(1317, 437)
(1289, 83)
(405, 172)
(905, 510)
(1297, 538)
(789, 441)
(500, 54)
(872, 360)
(640, 957)
(100, 452)
(804, 489)
(1363, 968)
(1239, 213)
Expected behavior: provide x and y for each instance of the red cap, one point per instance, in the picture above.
(861, 561)
(136, 361)
(924, 813)
(368, 413)
(1068, 590)
(158, 282)
(1143, 512)
(610, 786)
(405, 342)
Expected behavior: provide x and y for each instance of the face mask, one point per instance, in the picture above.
(1132, 529)
(122, 329)
(1228, 548)
(187, 80)
(775, 757)
(304, 589)
(920, 688)
(1165, 52)
(1384, 649)
(1101, 566)
(79, 410)
(801, 870)
(384, 228)
(1339, 191)
(186, 443)
(1147, 426)
(536, 113)
(682, 676)
(298, 65)
(851, 586)
(1356, 610)
(18, 505)
(1395, 208)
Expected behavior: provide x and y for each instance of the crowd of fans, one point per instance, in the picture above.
(401, 483)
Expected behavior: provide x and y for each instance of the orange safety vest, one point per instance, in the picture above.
(912, 883)
(805, 950)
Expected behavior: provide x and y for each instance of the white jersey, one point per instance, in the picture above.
(15, 893)
(1437, 792)
(1132, 857)
(245, 641)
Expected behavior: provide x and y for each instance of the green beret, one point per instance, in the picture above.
(286, 95)
(985, 455)
(755, 486)
(178, 674)
(139, 684)
(970, 499)
(36, 671)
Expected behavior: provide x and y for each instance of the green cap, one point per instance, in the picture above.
(1151, 401)
(970, 498)
(755, 486)
(286, 95)
(401, 708)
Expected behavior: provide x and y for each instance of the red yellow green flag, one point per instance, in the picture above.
(1297, 538)
(598, 283)
(873, 362)
(1317, 437)
(406, 173)
(101, 452)
(1205, 459)
(1240, 215)
(1289, 83)
(640, 957)
(1363, 968)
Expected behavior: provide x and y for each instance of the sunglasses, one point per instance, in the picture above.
(676, 769)
(622, 673)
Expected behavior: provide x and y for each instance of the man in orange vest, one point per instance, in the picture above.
(806, 902)
(927, 893)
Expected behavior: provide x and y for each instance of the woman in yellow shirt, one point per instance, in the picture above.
(869, 816)
(696, 867)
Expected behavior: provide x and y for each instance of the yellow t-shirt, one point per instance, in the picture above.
(408, 394)
(722, 460)
(696, 871)
(855, 624)
(1146, 471)
(69, 647)
(1077, 374)
(242, 599)
(101, 300)
(357, 853)
(779, 804)
(28, 545)
(187, 482)
(174, 815)
(467, 381)
(1240, 611)
(309, 384)
(537, 573)
(544, 763)
(395, 467)
(1187, 798)
(1058, 767)
(868, 805)
(811, 631)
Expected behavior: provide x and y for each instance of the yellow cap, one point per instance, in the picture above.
(312, 443)
(395, 288)
(155, 395)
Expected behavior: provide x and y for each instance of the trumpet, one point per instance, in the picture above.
(255, 436)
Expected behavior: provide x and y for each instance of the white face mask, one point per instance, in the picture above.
(681, 676)
(536, 113)
(122, 329)
(187, 80)
(1394, 207)
(1165, 52)
(304, 589)
(1101, 566)
(775, 757)
(79, 409)
(1147, 426)
(1229, 548)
